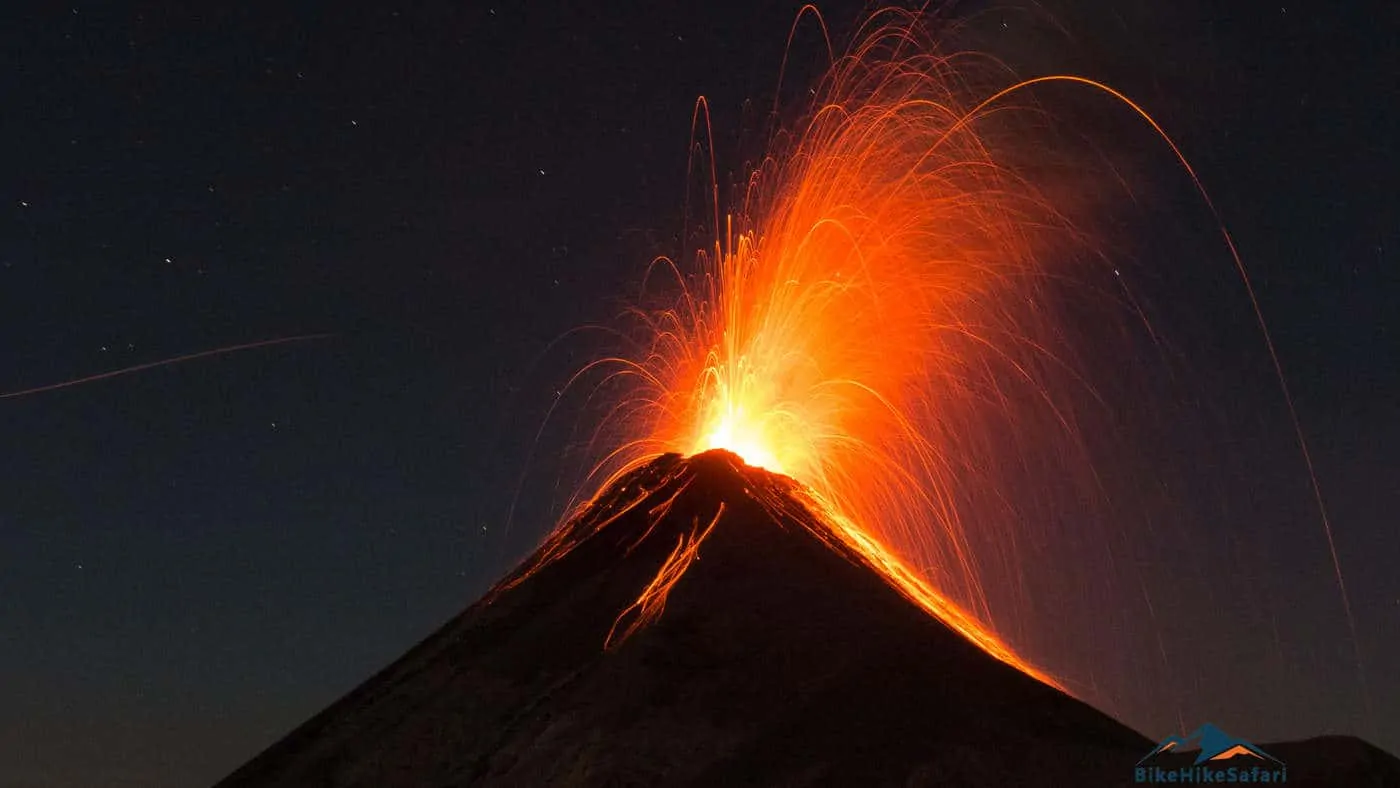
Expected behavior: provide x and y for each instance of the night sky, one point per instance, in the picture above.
(196, 557)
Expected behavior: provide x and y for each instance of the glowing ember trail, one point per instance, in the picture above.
(649, 605)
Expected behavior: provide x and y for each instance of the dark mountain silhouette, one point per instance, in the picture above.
(697, 626)
(1327, 761)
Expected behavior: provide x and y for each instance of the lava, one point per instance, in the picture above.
(652, 600)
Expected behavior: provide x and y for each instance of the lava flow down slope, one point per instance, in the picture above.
(698, 624)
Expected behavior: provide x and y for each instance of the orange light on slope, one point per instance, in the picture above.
(652, 600)
(918, 590)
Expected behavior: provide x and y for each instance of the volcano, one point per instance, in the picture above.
(697, 624)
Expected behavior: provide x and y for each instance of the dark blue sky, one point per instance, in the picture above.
(197, 557)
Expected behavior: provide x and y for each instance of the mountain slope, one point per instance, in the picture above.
(694, 627)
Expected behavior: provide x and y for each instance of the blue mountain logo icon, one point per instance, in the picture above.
(1215, 745)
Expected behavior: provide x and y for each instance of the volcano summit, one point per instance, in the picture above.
(697, 625)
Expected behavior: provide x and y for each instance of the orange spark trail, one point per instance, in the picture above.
(652, 601)
(165, 362)
(1267, 336)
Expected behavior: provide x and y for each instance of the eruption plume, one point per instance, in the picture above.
(888, 315)
(873, 318)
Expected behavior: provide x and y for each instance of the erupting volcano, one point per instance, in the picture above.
(774, 577)
(866, 322)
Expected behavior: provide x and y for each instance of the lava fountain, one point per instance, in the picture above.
(873, 302)
(882, 316)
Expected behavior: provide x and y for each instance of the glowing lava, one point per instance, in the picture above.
(738, 434)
